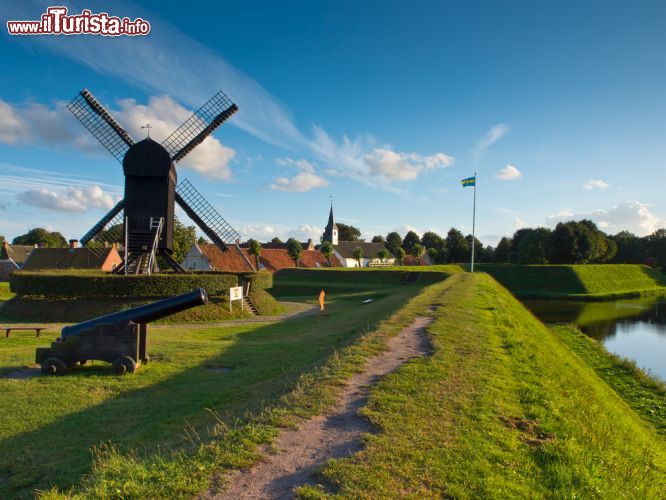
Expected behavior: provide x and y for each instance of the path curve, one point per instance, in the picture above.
(336, 434)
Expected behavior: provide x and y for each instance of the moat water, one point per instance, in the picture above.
(632, 328)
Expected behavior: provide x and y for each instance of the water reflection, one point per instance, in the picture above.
(633, 328)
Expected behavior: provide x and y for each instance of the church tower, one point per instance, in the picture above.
(331, 231)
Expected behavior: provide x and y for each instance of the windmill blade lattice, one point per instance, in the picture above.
(205, 216)
(199, 126)
(101, 124)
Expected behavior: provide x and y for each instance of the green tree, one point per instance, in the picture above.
(433, 253)
(358, 255)
(42, 237)
(410, 239)
(503, 251)
(630, 249)
(400, 255)
(393, 242)
(277, 241)
(533, 247)
(431, 239)
(383, 254)
(456, 246)
(348, 233)
(202, 241)
(656, 244)
(183, 239)
(2, 240)
(326, 248)
(378, 238)
(418, 250)
(254, 248)
(295, 250)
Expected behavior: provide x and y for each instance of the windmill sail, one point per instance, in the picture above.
(101, 124)
(199, 126)
(112, 219)
(205, 216)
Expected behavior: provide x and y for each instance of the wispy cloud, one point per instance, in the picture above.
(493, 135)
(596, 184)
(304, 181)
(69, 200)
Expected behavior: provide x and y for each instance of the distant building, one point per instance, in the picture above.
(208, 257)
(344, 250)
(102, 259)
(12, 258)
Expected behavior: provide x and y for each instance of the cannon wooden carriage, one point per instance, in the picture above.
(119, 338)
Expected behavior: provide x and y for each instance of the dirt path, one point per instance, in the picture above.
(333, 435)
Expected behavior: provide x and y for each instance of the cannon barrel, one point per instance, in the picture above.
(143, 314)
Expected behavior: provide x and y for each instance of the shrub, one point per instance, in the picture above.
(100, 285)
(260, 280)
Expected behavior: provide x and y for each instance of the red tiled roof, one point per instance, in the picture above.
(231, 260)
(272, 259)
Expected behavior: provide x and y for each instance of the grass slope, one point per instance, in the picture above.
(645, 394)
(5, 294)
(589, 281)
(168, 429)
(503, 408)
(289, 283)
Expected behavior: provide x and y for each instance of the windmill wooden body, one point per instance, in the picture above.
(146, 212)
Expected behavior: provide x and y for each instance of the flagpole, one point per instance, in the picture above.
(473, 223)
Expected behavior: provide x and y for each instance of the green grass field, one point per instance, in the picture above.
(503, 408)
(586, 282)
(159, 429)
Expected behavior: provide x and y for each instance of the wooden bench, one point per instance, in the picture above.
(8, 329)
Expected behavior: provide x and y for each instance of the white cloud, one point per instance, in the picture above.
(596, 184)
(72, 199)
(365, 161)
(300, 183)
(493, 135)
(508, 173)
(392, 165)
(405, 228)
(631, 216)
(210, 158)
(13, 127)
(518, 223)
(258, 232)
(264, 232)
(35, 122)
(306, 180)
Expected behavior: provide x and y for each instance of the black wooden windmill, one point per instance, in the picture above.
(146, 213)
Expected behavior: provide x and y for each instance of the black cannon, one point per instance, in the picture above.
(119, 338)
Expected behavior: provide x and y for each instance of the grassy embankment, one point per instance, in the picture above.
(204, 403)
(582, 282)
(306, 284)
(502, 408)
(644, 393)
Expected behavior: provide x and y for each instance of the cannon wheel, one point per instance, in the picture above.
(124, 364)
(54, 366)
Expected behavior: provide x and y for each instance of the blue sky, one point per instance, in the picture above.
(559, 107)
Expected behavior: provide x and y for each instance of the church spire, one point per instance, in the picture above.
(331, 231)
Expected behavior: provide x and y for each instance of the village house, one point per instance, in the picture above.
(12, 258)
(209, 257)
(344, 250)
(75, 257)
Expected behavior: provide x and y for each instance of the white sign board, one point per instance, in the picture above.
(235, 293)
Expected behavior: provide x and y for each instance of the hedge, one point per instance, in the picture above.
(260, 280)
(101, 285)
